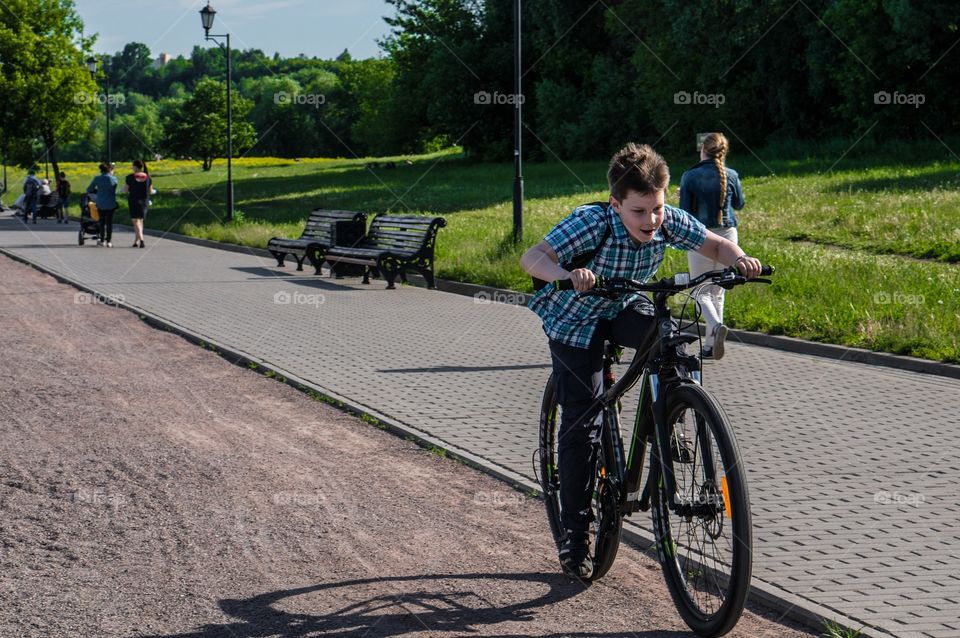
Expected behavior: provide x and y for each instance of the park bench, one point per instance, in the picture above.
(325, 228)
(393, 245)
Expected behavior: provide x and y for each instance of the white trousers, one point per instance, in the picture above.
(710, 297)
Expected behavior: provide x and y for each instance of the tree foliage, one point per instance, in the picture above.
(598, 74)
(47, 90)
(199, 127)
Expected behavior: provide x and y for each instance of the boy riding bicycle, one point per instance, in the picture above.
(626, 238)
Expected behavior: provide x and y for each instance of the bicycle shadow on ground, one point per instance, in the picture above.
(437, 604)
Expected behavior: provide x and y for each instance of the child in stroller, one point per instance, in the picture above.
(89, 219)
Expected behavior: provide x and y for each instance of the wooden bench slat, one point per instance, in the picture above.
(411, 226)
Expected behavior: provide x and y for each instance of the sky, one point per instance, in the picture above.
(316, 28)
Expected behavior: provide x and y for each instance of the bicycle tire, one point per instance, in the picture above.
(549, 474)
(708, 589)
(608, 523)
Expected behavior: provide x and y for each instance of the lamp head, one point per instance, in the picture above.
(206, 16)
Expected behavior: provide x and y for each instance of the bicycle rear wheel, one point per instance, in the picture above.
(606, 527)
(705, 545)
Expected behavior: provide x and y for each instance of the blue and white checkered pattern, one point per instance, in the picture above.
(573, 321)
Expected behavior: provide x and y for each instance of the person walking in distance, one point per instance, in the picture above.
(138, 187)
(104, 186)
(711, 192)
(31, 192)
(63, 197)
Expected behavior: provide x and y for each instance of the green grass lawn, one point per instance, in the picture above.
(866, 249)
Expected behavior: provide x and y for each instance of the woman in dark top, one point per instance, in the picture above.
(711, 192)
(138, 187)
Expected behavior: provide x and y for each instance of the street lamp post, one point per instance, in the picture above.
(517, 124)
(92, 67)
(206, 16)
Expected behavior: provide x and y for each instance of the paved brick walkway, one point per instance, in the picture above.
(853, 469)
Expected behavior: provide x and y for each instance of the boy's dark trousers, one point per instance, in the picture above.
(578, 376)
(106, 224)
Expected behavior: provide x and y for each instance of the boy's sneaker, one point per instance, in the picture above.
(99, 243)
(575, 556)
(109, 244)
(719, 338)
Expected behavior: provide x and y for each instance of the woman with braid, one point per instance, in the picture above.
(711, 192)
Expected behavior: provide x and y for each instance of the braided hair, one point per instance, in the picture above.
(716, 145)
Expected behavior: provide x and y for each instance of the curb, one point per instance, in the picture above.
(792, 606)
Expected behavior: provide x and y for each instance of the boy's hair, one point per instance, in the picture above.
(104, 168)
(637, 167)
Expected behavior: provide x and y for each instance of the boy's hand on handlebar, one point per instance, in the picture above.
(583, 279)
(748, 266)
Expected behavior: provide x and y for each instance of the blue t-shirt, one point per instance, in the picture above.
(105, 186)
(573, 321)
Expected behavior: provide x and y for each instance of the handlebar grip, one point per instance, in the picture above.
(764, 270)
(567, 284)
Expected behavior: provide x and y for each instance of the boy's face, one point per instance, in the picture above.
(641, 214)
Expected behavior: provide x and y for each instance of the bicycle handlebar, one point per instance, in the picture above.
(606, 286)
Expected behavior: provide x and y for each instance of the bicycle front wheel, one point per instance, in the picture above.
(704, 536)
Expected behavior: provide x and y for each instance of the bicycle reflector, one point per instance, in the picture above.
(726, 496)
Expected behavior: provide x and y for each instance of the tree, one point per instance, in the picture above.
(199, 129)
(440, 61)
(369, 83)
(138, 132)
(126, 69)
(46, 87)
(287, 128)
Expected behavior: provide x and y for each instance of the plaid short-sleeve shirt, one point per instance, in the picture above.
(573, 321)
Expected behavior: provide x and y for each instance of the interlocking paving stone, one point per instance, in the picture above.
(853, 469)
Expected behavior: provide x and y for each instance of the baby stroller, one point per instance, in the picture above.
(89, 219)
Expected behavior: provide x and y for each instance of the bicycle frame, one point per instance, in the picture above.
(657, 370)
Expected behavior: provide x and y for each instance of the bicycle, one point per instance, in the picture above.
(698, 499)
